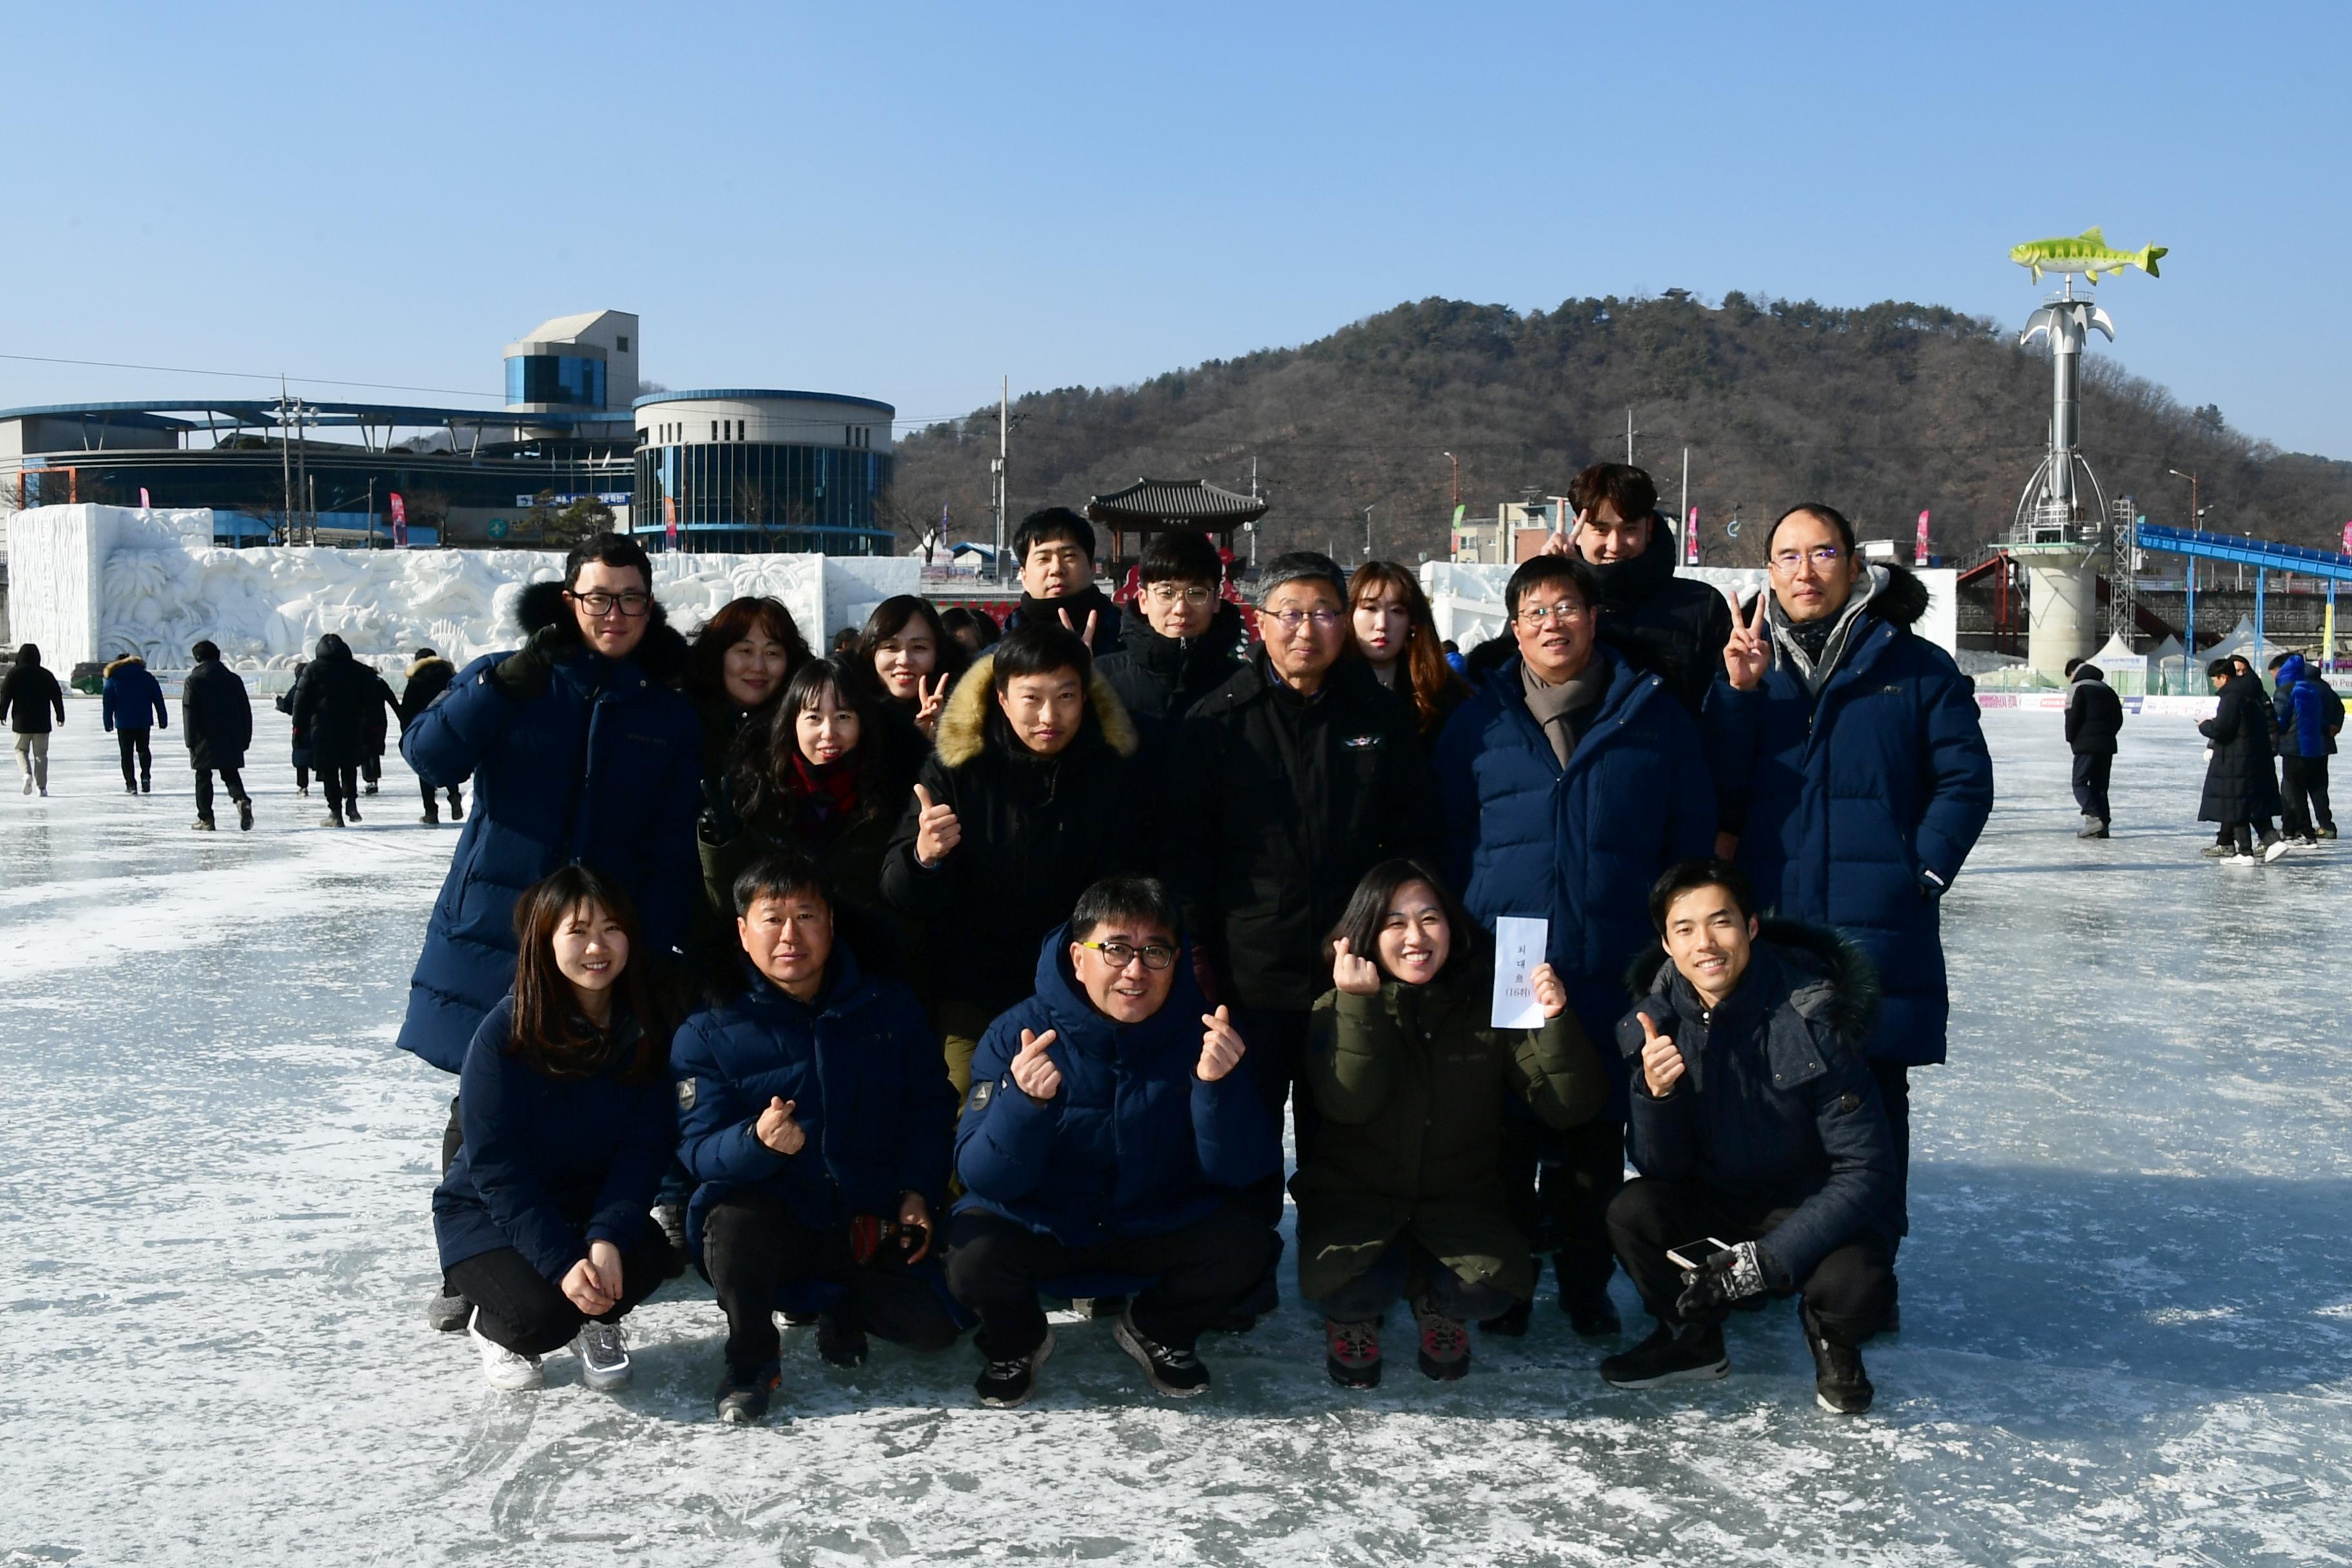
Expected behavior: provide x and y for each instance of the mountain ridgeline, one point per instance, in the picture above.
(1882, 411)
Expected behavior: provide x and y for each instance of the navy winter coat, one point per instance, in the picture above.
(1131, 1144)
(133, 699)
(868, 1086)
(604, 768)
(1855, 808)
(2301, 707)
(1777, 1108)
(550, 1164)
(1577, 845)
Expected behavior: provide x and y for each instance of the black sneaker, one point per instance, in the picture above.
(1352, 1353)
(1840, 1385)
(130, 789)
(838, 1344)
(202, 825)
(1005, 1384)
(2329, 831)
(1173, 1372)
(245, 816)
(368, 790)
(352, 810)
(1444, 1343)
(429, 820)
(448, 1312)
(1685, 1353)
(743, 1394)
(1512, 1324)
(1592, 1313)
(456, 807)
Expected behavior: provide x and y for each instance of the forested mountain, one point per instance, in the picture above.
(1881, 410)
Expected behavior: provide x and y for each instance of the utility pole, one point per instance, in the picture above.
(1457, 478)
(1684, 513)
(1368, 530)
(285, 465)
(1629, 437)
(1003, 449)
(370, 533)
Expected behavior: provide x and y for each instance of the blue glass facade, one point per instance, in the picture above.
(572, 380)
(762, 496)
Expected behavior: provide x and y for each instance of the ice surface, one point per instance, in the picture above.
(2127, 1302)
(98, 582)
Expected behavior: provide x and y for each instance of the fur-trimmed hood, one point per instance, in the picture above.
(433, 661)
(661, 655)
(963, 724)
(128, 661)
(1834, 981)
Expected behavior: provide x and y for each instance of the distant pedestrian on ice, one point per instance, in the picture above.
(428, 678)
(216, 720)
(131, 704)
(2242, 789)
(2309, 713)
(27, 697)
(2095, 717)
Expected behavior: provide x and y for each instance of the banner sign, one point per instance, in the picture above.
(1690, 538)
(1919, 549)
(399, 521)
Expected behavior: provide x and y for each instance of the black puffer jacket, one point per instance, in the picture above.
(1159, 678)
(2094, 714)
(339, 706)
(1112, 624)
(215, 717)
(1277, 806)
(2242, 778)
(1664, 625)
(1037, 832)
(427, 678)
(28, 696)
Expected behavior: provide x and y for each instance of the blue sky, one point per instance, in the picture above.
(906, 201)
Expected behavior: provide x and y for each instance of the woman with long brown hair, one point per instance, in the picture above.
(906, 647)
(543, 1218)
(1398, 637)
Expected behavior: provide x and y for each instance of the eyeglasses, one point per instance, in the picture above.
(1567, 610)
(631, 603)
(1118, 954)
(1823, 556)
(1293, 619)
(1165, 595)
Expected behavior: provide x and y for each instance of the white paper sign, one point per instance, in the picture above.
(1518, 951)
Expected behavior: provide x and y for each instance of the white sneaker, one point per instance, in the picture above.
(504, 1370)
(604, 1355)
(28, 783)
(2239, 860)
(2274, 850)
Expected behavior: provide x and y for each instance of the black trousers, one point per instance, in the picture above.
(1559, 1186)
(529, 1314)
(752, 1248)
(2302, 781)
(230, 777)
(432, 806)
(2091, 783)
(341, 784)
(1894, 1093)
(1848, 1292)
(1205, 1269)
(1408, 1269)
(1276, 1038)
(371, 769)
(134, 742)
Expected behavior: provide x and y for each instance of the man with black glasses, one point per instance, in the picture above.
(1187, 643)
(583, 753)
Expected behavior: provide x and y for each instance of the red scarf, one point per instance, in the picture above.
(830, 789)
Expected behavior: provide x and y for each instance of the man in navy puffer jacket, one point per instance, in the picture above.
(815, 1111)
(582, 752)
(1111, 1127)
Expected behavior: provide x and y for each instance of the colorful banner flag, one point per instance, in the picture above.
(1460, 509)
(1919, 549)
(669, 521)
(142, 498)
(1690, 538)
(399, 520)
(2348, 539)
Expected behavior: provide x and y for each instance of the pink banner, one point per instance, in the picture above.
(399, 520)
(1690, 538)
(1919, 549)
(2348, 539)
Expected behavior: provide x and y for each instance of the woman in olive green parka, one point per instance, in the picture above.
(1401, 1193)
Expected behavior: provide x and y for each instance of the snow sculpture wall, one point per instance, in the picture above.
(96, 581)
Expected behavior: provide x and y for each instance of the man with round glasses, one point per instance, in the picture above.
(1854, 773)
(1107, 1145)
(583, 752)
(1570, 782)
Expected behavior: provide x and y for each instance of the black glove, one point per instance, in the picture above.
(718, 824)
(1732, 1275)
(524, 674)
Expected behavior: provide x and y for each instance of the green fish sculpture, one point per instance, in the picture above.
(2086, 253)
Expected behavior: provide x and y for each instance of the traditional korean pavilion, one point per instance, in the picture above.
(1148, 506)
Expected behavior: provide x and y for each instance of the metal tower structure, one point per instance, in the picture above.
(2053, 508)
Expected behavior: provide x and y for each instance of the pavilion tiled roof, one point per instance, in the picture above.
(1161, 503)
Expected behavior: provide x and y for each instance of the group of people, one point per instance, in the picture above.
(903, 990)
(2266, 773)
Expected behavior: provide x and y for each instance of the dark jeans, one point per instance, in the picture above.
(1559, 1186)
(342, 786)
(1894, 1093)
(1849, 1292)
(752, 1248)
(2244, 834)
(2303, 781)
(1203, 1269)
(431, 807)
(529, 1314)
(229, 776)
(2091, 783)
(1409, 1269)
(130, 742)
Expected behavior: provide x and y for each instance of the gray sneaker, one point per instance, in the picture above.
(448, 1312)
(604, 1355)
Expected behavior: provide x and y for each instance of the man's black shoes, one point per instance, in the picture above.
(1840, 1385)
(1010, 1382)
(1590, 1312)
(743, 1395)
(1678, 1353)
(838, 1344)
(1173, 1372)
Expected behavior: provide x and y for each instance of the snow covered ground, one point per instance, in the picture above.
(2128, 1300)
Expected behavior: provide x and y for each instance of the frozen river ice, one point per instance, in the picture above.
(2127, 1299)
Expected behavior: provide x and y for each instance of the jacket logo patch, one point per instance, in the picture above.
(1362, 742)
(686, 1093)
(981, 1093)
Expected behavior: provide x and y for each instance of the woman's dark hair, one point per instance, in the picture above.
(960, 618)
(547, 1033)
(1705, 871)
(29, 655)
(1427, 675)
(890, 618)
(1539, 570)
(1368, 910)
(764, 779)
(781, 875)
(2221, 669)
(706, 661)
(610, 550)
(1030, 648)
(1627, 488)
(1181, 556)
(1827, 514)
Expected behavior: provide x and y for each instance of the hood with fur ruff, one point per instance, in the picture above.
(1837, 980)
(431, 661)
(963, 724)
(661, 655)
(125, 662)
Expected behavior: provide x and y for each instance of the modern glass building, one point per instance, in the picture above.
(760, 470)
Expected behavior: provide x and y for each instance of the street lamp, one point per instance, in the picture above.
(1368, 530)
(1457, 476)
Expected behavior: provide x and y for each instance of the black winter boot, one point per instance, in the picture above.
(1675, 1352)
(1840, 1385)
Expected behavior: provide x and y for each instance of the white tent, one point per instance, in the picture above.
(2242, 640)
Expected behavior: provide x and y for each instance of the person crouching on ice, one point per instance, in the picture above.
(1111, 1127)
(815, 1109)
(543, 1218)
(1403, 1196)
(1768, 1164)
